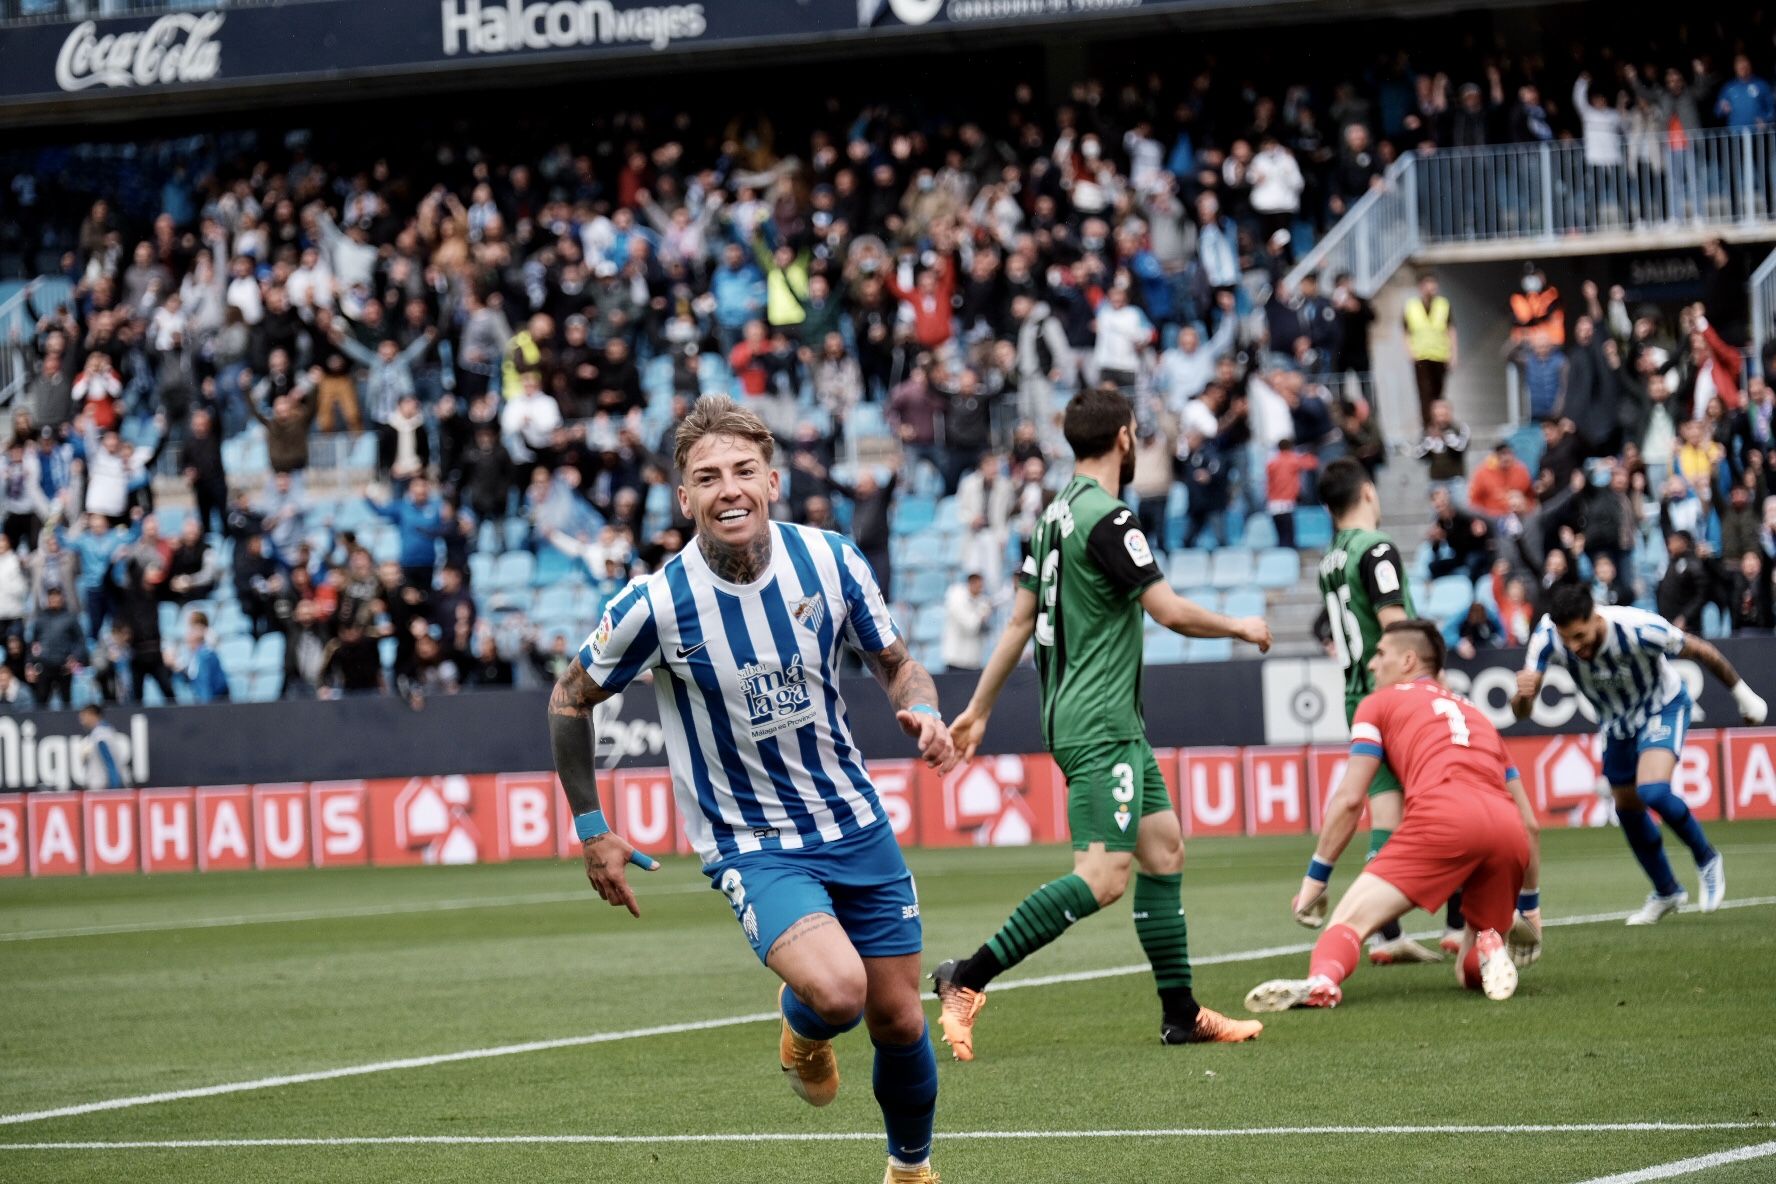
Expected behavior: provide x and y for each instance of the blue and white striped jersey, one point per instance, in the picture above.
(747, 681)
(1629, 680)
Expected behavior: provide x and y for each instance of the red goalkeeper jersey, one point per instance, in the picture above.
(1432, 739)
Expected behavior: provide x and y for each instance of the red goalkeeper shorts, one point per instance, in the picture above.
(1458, 838)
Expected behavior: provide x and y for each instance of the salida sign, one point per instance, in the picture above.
(992, 801)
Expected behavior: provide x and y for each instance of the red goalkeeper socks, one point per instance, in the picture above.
(1336, 954)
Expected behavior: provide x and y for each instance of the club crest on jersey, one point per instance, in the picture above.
(808, 612)
(1123, 817)
(776, 700)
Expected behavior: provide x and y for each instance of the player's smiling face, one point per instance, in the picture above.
(728, 490)
(1584, 638)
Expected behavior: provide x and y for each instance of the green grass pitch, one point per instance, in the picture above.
(1671, 1024)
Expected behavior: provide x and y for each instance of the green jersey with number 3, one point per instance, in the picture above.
(1359, 576)
(1088, 565)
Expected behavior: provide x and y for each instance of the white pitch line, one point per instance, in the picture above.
(1586, 1128)
(506, 1050)
(380, 910)
(1685, 1167)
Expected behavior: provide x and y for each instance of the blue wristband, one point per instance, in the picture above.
(1528, 901)
(590, 825)
(1319, 869)
(926, 709)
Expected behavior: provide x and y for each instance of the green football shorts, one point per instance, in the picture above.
(1111, 786)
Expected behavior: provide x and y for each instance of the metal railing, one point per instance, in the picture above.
(1372, 240)
(1550, 193)
(16, 326)
(1763, 309)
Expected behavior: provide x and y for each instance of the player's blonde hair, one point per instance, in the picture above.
(719, 415)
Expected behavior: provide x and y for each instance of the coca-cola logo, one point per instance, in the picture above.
(176, 48)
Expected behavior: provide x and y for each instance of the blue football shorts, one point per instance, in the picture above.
(1664, 731)
(861, 880)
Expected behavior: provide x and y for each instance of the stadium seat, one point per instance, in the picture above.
(948, 516)
(1232, 568)
(229, 618)
(517, 532)
(235, 654)
(1450, 596)
(1313, 527)
(553, 566)
(1278, 567)
(1209, 598)
(928, 624)
(1208, 649)
(268, 654)
(1188, 569)
(481, 565)
(169, 618)
(556, 600)
(1164, 648)
(1714, 622)
(927, 586)
(1261, 531)
(514, 571)
(1244, 602)
(913, 515)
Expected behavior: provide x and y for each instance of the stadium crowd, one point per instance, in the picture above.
(1646, 476)
(908, 302)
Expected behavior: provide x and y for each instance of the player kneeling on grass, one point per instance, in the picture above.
(1467, 828)
(742, 630)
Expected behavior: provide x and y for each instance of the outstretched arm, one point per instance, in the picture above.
(1190, 619)
(914, 697)
(576, 753)
(1751, 705)
(966, 730)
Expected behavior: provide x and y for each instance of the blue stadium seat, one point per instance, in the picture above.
(236, 655)
(229, 618)
(268, 654)
(1278, 567)
(1209, 598)
(928, 624)
(913, 515)
(1313, 527)
(1450, 596)
(556, 600)
(169, 618)
(1261, 531)
(948, 516)
(1164, 648)
(488, 538)
(517, 533)
(385, 652)
(481, 565)
(363, 453)
(1714, 622)
(1244, 602)
(553, 566)
(927, 586)
(1188, 569)
(514, 571)
(1421, 563)
(1208, 649)
(1232, 568)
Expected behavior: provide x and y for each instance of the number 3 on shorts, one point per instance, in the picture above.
(1123, 774)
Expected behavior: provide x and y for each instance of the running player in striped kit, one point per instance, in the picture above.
(742, 631)
(1617, 657)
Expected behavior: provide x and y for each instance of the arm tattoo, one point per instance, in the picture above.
(571, 736)
(905, 680)
(1710, 659)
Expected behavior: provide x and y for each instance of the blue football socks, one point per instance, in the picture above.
(1662, 801)
(905, 1080)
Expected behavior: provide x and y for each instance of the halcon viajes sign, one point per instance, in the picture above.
(82, 64)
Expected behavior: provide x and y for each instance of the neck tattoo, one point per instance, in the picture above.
(737, 565)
